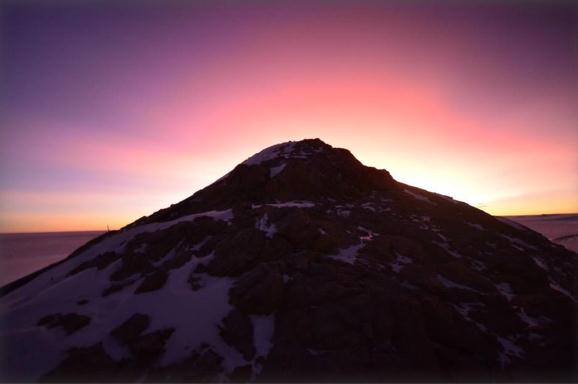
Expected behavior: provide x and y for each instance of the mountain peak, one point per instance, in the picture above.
(291, 149)
(296, 170)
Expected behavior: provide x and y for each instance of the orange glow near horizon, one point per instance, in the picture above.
(461, 109)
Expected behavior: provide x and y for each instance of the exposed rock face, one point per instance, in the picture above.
(259, 291)
(131, 329)
(304, 170)
(301, 264)
(70, 322)
(73, 367)
(237, 331)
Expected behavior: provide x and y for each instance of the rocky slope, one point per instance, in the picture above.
(301, 264)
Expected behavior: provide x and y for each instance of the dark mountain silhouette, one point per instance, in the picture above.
(301, 264)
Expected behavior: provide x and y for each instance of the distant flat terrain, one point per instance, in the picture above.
(561, 229)
(24, 253)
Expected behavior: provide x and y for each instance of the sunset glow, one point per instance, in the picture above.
(112, 111)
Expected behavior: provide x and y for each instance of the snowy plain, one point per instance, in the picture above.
(561, 229)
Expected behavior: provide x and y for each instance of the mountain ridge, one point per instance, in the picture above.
(280, 171)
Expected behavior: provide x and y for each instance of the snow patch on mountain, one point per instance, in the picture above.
(287, 204)
(343, 212)
(418, 196)
(451, 284)
(464, 309)
(193, 327)
(270, 153)
(532, 321)
(369, 234)
(540, 263)
(264, 225)
(400, 262)
(288, 150)
(505, 290)
(274, 171)
(555, 286)
(264, 327)
(348, 255)
(509, 350)
(518, 244)
(446, 247)
(476, 226)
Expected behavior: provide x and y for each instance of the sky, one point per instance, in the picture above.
(111, 110)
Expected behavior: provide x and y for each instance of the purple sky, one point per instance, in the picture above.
(113, 109)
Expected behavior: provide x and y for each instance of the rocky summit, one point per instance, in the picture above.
(301, 264)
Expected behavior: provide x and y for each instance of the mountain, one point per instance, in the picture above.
(301, 264)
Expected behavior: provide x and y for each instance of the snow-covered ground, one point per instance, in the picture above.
(561, 229)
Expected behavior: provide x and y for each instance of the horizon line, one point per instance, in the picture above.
(112, 230)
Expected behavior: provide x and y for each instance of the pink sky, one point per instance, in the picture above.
(109, 118)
